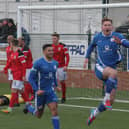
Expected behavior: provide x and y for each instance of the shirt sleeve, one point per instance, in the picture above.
(23, 62)
(66, 52)
(33, 78)
(124, 42)
(91, 47)
(8, 65)
(55, 76)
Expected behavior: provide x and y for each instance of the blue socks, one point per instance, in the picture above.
(56, 122)
(101, 107)
(110, 84)
(31, 109)
(55, 119)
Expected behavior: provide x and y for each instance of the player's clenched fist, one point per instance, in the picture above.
(40, 92)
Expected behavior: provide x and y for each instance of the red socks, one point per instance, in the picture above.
(24, 97)
(13, 99)
(17, 99)
(63, 86)
(28, 91)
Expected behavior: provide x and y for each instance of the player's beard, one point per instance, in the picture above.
(49, 57)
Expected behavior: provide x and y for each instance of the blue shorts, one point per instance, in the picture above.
(99, 71)
(46, 98)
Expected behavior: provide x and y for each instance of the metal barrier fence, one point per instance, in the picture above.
(77, 45)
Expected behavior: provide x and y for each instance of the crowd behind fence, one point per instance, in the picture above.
(8, 27)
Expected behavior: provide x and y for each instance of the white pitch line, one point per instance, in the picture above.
(89, 107)
(95, 99)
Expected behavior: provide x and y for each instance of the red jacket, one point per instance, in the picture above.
(18, 65)
(28, 56)
(61, 54)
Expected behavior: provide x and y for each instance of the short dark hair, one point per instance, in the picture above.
(106, 19)
(56, 34)
(14, 42)
(46, 46)
(11, 21)
(22, 38)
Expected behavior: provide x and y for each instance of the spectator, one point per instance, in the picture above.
(26, 36)
(11, 28)
(4, 33)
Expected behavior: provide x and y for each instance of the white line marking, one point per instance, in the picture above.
(95, 99)
(89, 107)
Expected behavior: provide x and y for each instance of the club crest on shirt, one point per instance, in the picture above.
(107, 48)
(112, 39)
(59, 48)
(55, 67)
(14, 57)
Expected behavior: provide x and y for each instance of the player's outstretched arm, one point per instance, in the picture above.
(124, 42)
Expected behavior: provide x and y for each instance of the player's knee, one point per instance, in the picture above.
(109, 72)
(113, 74)
(54, 111)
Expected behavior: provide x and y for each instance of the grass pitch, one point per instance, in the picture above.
(73, 115)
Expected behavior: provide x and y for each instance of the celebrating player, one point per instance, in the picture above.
(108, 56)
(44, 70)
(28, 56)
(61, 55)
(18, 68)
(8, 53)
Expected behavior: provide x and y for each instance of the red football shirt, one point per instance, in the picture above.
(28, 56)
(18, 65)
(61, 54)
